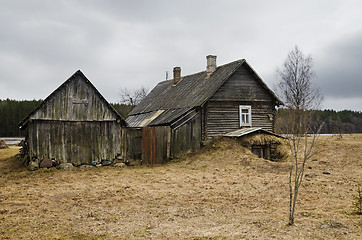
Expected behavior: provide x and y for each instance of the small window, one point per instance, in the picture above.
(245, 116)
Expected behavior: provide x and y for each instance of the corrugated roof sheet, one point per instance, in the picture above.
(136, 120)
(169, 116)
(156, 117)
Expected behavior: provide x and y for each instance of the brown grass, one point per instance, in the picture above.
(221, 192)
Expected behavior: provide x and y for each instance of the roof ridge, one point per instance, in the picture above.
(193, 74)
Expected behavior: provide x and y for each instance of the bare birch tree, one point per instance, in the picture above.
(296, 87)
(300, 96)
(132, 97)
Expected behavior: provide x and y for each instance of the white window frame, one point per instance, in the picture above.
(245, 117)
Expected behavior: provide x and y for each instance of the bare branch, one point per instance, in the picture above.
(132, 97)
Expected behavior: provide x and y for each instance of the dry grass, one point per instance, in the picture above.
(221, 192)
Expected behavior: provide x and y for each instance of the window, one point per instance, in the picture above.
(245, 116)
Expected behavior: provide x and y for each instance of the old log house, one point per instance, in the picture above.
(197, 107)
(74, 124)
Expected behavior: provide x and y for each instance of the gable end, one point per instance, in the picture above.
(75, 100)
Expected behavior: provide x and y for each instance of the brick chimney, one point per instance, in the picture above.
(211, 64)
(176, 75)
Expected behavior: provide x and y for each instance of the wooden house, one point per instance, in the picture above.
(74, 124)
(203, 105)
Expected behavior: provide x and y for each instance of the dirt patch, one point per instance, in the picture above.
(221, 192)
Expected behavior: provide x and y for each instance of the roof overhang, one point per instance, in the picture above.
(246, 131)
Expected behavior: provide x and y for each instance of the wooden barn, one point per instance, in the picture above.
(74, 124)
(197, 107)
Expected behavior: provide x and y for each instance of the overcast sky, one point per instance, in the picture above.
(130, 44)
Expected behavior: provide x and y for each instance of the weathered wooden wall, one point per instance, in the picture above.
(187, 136)
(75, 101)
(75, 142)
(156, 144)
(243, 85)
(132, 143)
(223, 117)
(221, 113)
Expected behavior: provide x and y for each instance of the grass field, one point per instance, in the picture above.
(220, 192)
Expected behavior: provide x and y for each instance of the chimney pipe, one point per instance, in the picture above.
(211, 64)
(176, 75)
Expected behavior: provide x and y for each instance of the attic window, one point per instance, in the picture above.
(245, 116)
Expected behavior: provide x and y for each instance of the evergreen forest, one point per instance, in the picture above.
(335, 122)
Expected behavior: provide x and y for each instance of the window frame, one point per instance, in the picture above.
(247, 115)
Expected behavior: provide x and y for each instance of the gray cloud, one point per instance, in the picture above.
(339, 69)
(132, 43)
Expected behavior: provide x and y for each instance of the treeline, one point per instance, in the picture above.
(122, 109)
(11, 113)
(334, 122)
(14, 111)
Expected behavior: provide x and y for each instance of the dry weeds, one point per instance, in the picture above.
(221, 192)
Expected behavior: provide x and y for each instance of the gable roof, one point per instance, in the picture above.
(190, 92)
(77, 74)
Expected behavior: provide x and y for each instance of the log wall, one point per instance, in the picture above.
(223, 117)
(221, 113)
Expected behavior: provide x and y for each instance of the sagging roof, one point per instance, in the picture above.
(190, 92)
(159, 117)
(75, 75)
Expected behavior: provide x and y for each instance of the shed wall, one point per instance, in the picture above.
(187, 136)
(75, 142)
(132, 143)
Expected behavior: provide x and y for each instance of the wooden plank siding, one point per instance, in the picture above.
(187, 136)
(243, 85)
(75, 142)
(74, 124)
(75, 101)
(156, 144)
(132, 143)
